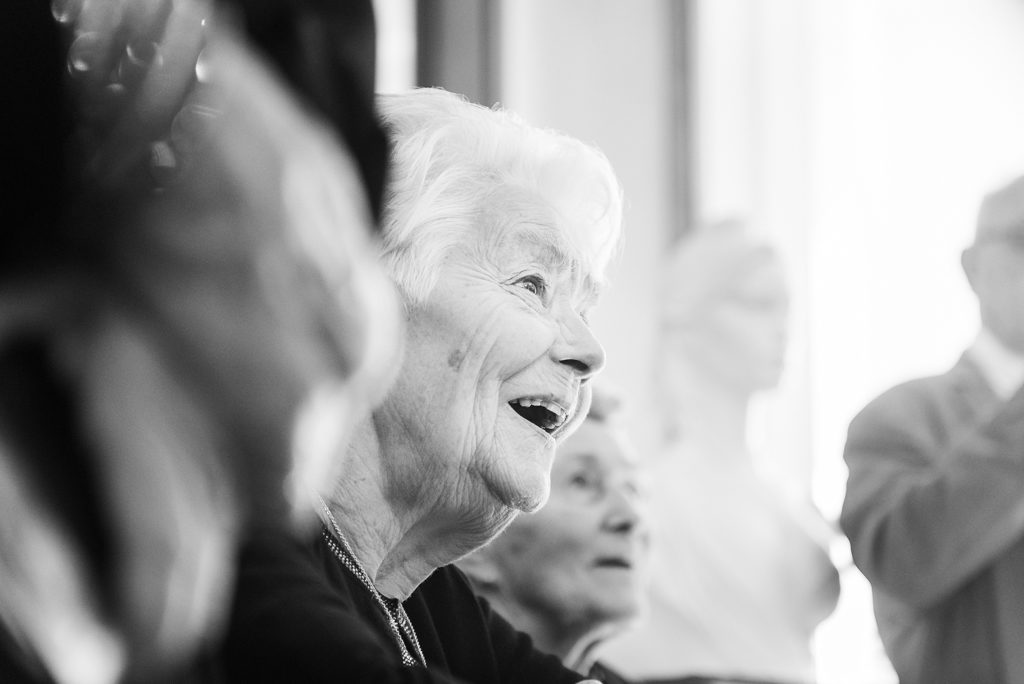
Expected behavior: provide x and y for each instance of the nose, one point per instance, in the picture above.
(577, 347)
(623, 516)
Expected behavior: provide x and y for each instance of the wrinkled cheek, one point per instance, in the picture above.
(521, 342)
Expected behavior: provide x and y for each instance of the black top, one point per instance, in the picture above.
(299, 615)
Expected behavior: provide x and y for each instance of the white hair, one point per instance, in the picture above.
(458, 166)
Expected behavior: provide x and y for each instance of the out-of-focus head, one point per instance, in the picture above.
(725, 306)
(994, 264)
(234, 230)
(576, 568)
(203, 313)
(497, 234)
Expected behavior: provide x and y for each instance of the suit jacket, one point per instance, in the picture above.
(934, 511)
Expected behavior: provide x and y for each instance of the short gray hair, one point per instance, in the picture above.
(457, 166)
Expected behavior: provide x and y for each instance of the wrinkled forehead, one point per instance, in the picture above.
(537, 234)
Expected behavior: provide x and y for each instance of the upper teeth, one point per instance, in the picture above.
(550, 406)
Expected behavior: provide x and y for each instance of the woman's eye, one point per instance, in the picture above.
(534, 285)
(583, 480)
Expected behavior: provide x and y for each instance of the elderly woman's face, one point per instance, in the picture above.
(581, 559)
(494, 371)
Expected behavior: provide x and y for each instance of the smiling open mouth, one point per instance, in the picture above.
(546, 415)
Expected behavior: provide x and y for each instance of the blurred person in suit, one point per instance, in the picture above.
(934, 505)
(186, 292)
(740, 573)
(572, 575)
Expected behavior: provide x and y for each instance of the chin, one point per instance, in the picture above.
(517, 473)
(537, 487)
(529, 491)
(533, 502)
(524, 490)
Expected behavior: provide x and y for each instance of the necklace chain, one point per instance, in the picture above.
(398, 620)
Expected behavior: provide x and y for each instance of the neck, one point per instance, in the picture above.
(398, 527)
(705, 412)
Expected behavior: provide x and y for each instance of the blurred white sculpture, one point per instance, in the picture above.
(740, 573)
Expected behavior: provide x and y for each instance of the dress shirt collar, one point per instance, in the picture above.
(1002, 368)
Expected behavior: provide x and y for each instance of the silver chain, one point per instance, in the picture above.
(398, 619)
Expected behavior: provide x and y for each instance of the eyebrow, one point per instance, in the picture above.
(545, 237)
(549, 241)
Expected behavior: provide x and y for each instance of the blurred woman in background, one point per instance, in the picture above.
(572, 575)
